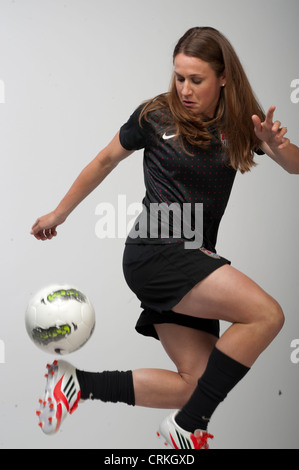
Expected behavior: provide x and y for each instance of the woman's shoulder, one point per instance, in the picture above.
(156, 109)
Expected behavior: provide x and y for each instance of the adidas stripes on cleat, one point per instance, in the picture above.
(62, 395)
(178, 438)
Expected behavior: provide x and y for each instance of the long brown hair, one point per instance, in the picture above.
(237, 102)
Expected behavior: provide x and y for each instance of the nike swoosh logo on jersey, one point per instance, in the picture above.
(167, 137)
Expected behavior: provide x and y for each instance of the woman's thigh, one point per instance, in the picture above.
(228, 295)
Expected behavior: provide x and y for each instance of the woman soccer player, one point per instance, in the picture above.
(195, 138)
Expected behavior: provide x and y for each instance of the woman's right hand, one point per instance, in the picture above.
(45, 227)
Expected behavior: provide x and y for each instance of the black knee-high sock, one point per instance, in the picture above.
(107, 386)
(221, 376)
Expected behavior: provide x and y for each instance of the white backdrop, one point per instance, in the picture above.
(71, 73)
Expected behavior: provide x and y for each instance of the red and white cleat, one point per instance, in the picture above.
(177, 438)
(62, 395)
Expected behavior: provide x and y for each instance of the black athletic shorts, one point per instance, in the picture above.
(161, 275)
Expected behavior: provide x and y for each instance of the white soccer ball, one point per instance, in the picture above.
(60, 319)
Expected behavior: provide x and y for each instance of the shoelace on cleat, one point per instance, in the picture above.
(200, 440)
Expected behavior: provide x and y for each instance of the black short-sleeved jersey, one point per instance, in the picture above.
(181, 174)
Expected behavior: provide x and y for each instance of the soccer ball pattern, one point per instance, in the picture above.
(60, 319)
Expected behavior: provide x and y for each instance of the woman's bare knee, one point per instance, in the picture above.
(272, 316)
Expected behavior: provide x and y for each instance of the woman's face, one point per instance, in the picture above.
(197, 86)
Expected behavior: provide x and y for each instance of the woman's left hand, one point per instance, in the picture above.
(271, 132)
